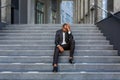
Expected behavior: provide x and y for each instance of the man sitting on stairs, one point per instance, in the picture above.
(63, 41)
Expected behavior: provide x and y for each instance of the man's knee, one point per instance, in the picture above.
(73, 42)
(57, 50)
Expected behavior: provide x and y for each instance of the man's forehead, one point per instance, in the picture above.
(65, 26)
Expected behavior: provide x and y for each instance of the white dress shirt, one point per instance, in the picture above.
(64, 42)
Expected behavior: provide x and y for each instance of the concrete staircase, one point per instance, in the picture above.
(26, 53)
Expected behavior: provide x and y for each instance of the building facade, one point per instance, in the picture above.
(53, 11)
(86, 12)
(92, 11)
(30, 11)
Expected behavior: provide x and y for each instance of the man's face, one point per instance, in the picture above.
(65, 28)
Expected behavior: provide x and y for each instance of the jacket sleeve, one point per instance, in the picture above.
(70, 36)
(57, 38)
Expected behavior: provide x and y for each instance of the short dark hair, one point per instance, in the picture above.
(64, 24)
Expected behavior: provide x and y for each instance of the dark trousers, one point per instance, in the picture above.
(70, 46)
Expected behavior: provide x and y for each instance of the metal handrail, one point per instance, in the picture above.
(106, 11)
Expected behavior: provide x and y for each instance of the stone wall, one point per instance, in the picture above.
(116, 5)
(3, 10)
(6, 11)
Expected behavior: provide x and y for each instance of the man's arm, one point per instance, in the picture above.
(57, 43)
(57, 39)
(69, 33)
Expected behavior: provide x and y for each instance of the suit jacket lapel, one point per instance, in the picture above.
(66, 36)
(61, 34)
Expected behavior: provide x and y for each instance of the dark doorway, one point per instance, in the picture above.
(14, 11)
(54, 11)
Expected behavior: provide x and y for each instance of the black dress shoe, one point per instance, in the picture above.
(55, 69)
(71, 61)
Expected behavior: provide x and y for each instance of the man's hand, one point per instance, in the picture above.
(68, 27)
(61, 49)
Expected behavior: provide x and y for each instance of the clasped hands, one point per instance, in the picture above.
(60, 48)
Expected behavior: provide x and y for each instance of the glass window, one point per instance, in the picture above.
(67, 18)
(66, 11)
(39, 13)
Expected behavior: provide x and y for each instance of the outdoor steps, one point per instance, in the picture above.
(26, 53)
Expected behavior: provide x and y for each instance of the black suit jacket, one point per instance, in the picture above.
(59, 37)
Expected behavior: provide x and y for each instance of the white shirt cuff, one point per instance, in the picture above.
(69, 32)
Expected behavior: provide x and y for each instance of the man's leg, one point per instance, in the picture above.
(56, 56)
(55, 59)
(72, 48)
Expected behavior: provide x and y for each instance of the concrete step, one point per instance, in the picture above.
(55, 29)
(49, 38)
(63, 67)
(59, 76)
(62, 59)
(52, 37)
(50, 31)
(50, 42)
(26, 55)
(48, 34)
(58, 26)
(49, 28)
(50, 53)
(49, 25)
(51, 47)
